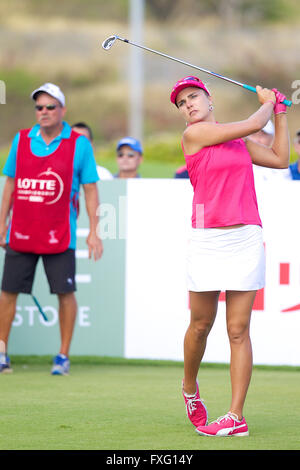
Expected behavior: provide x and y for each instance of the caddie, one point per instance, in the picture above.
(45, 168)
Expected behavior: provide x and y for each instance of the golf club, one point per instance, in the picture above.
(108, 43)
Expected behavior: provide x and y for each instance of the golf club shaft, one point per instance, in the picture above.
(39, 307)
(247, 87)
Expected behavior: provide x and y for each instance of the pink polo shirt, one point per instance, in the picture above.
(223, 182)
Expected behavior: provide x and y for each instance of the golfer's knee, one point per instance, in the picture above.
(200, 329)
(237, 333)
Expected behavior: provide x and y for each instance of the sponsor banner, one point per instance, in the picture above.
(157, 307)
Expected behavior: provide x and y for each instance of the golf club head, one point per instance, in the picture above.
(108, 43)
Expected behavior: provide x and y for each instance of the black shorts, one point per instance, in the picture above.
(19, 271)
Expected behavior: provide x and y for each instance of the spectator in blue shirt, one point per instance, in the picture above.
(129, 157)
(182, 172)
(46, 139)
(295, 167)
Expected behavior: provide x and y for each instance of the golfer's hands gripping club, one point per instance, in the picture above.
(265, 95)
(279, 107)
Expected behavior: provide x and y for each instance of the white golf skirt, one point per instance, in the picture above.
(226, 259)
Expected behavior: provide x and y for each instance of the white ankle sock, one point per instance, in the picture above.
(189, 396)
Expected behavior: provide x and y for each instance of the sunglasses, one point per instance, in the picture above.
(49, 107)
(121, 155)
(195, 79)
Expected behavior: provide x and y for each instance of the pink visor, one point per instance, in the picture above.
(184, 83)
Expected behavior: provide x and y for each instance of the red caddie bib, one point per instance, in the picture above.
(41, 202)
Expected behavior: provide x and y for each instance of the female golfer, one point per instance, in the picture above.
(226, 247)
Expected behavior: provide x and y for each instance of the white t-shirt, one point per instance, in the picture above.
(261, 173)
(104, 174)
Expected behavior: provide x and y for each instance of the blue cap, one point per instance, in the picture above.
(131, 142)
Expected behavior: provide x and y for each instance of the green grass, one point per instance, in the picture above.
(148, 169)
(115, 404)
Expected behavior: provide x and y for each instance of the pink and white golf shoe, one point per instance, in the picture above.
(227, 425)
(195, 408)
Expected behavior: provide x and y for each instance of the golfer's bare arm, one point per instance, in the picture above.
(278, 155)
(203, 134)
(206, 133)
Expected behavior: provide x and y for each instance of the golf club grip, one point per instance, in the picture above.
(251, 88)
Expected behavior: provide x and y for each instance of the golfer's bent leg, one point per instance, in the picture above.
(238, 313)
(67, 317)
(8, 301)
(203, 312)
